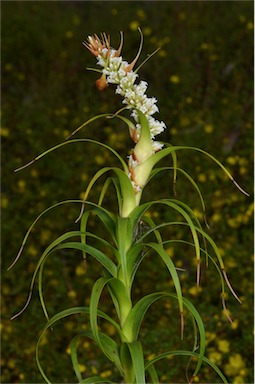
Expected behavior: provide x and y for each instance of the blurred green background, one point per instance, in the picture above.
(203, 80)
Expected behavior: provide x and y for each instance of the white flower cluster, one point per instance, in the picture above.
(116, 71)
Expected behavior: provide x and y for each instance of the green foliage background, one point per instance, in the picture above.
(202, 78)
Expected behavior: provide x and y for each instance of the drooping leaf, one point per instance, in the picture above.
(136, 353)
(187, 353)
(124, 165)
(94, 313)
(61, 315)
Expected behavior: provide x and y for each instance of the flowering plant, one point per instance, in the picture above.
(128, 234)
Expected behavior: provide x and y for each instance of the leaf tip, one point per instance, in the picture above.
(230, 286)
(240, 188)
(24, 166)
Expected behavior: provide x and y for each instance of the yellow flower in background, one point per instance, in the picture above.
(215, 357)
(134, 25)
(223, 346)
(194, 291)
(238, 380)
(174, 79)
(208, 128)
(82, 368)
(5, 132)
(235, 365)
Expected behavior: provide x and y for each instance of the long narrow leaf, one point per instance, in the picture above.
(136, 353)
(153, 160)
(124, 165)
(187, 353)
(93, 313)
(61, 315)
(96, 379)
(103, 213)
(74, 357)
(133, 322)
(153, 374)
(171, 267)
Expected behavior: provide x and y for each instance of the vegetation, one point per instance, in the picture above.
(202, 77)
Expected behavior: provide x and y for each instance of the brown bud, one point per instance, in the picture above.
(101, 83)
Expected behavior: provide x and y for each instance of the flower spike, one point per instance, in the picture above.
(119, 72)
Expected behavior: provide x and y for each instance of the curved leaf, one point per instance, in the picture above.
(96, 379)
(74, 357)
(56, 245)
(132, 325)
(153, 374)
(127, 192)
(104, 215)
(192, 181)
(94, 313)
(86, 123)
(187, 353)
(98, 255)
(109, 344)
(61, 315)
(121, 298)
(124, 165)
(154, 159)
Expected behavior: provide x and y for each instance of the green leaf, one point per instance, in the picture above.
(134, 258)
(124, 165)
(61, 315)
(34, 223)
(127, 191)
(192, 181)
(121, 297)
(94, 313)
(186, 353)
(74, 357)
(136, 352)
(131, 327)
(216, 266)
(109, 344)
(98, 255)
(175, 204)
(87, 122)
(96, 379)
(53, 320)
(131, 355)
(56, 245)
(106, 217)
(124, 238)
(171, 267)
(104, 189)
(83, 228)
(153, 374)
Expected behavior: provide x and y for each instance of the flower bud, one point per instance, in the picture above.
(101, 83)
